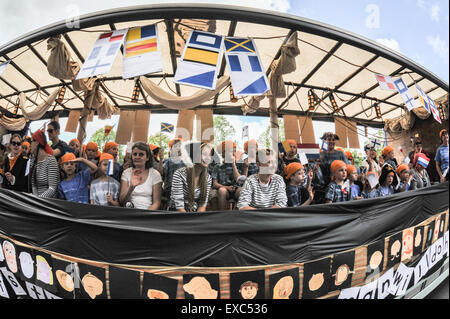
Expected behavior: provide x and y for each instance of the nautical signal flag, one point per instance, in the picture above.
(142, 54)
(385, 82)
(103, 54)
(248, 76)
(167, 127)
(402, 89)
(110, 168)
(108, 129)
(200, 60)
(428, 103)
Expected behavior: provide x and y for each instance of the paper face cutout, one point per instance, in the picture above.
(201, 287)
(92, 285)
(247, 285)
(9, 253)
(159, 287)
(375, 258)
(27, 264)
(407, 244)
(68, 280)
(316, 278)
(65, 280)
(342, 270)
(43, 270)
(92, 281)
(284, 285)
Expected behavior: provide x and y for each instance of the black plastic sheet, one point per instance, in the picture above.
(212, 239)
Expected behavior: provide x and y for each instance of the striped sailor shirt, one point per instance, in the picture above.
(257, 195)
(47, 177)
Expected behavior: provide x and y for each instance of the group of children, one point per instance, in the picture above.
(93, 177)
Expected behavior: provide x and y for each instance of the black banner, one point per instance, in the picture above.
(212, 239)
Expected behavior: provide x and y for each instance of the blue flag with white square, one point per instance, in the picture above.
(200, 61)
(247, 73)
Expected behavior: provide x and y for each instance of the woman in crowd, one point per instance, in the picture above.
(442, 157)
(265, 189)
(44, 168)
(191, 184)
(15, 170)
(141, 183)
(421, 178)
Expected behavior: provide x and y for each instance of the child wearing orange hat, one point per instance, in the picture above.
(335, 191)
(112, 148)
(355, 189)
(297, 194)
(389, 157)
(289, 157)
(26, 148)
(403, 171)
(92, 152)
(105, 189)
(74, 187)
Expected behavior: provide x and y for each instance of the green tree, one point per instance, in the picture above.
(223, 129)
(265, 139)
(161, 140)
(100, 138)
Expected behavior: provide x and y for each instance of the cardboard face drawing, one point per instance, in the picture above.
(158, 287)
(249, 290)
(407, 244)
(26, 264)
(283, 288)
(342, 270)
(418, 240)
(394, 249)
(43, 270)
(92, 285)
(200, 288)
(65, 280)
(156, 294)
(9, 252)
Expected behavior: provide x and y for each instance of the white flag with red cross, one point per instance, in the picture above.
(385, 82)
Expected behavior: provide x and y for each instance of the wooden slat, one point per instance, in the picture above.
(185, 124)
(307, 130)
(72, 121)
(341, 131)
(140, 128)
(291, 129)
(125, 126)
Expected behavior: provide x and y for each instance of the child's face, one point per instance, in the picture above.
(389, 179)
(113, 151)
(75, 146)
(25, 150)
(298, 176)
(69, 168)
(104, 166)
(353, 176)
(341, 173)
(390, 155)
(91, 154)
(404, 175)
(293, 150)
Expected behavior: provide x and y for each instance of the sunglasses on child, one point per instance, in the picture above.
(50, 130)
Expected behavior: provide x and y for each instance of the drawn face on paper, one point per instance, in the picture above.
(418, 239)
(200, 288)
(26, 264)
(248, 290)
(316, 281)
(156, 294)
(408, 243)
(341, 274)
(283, 288)
(395, 249)
(43, 270)
(9, 251)
(375, 259)
(92, 285)
(65, 280)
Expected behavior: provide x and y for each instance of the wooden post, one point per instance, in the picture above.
(274, 123)
(85, 114)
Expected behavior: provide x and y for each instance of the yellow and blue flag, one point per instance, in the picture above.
(167, 127)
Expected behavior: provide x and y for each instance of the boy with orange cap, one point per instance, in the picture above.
(112, 148)
(297, 195)
(355, 189)
(389, 157)
(403, 171)
(287, 158)
(74, 187)
(104, 189)
(335, 191)
(92, 152)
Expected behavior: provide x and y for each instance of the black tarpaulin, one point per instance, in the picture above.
(212, 239)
